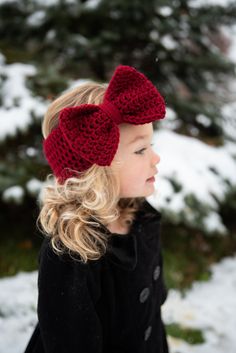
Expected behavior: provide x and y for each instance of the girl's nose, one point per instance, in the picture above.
(156, 158)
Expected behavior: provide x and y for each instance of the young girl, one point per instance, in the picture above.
(100, 283)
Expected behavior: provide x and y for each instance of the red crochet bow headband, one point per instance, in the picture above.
(88, 134)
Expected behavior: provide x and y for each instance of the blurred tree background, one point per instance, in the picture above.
(182, 48)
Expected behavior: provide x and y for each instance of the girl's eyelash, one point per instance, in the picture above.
(143, 149)
(140, 151)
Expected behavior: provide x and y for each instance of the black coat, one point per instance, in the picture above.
(112, 305)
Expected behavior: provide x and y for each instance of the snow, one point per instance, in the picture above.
(168, 42)
(170, 122)
(6, 1)
(154, 35)
(165, 11)
(18, 102)
(203, 119)
(201, 170)
(229, 121)
(89, 3)
(18, 300)
(230, 32)
(36, 19)
(199, 3)
(208, 306)
(92, 4)
(34, 186)
(38, 2)
(14, 193)
(31, 151)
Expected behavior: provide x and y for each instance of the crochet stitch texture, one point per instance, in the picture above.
(89, 134)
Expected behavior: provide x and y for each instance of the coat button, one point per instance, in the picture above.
(156, 273)
(147, 333)
(144, 295)
(140, 228)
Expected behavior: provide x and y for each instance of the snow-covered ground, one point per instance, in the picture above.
(18, 300)
(209, 306)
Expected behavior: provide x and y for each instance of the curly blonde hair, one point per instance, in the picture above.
(72, 213)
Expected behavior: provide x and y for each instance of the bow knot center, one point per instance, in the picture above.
(111, 110)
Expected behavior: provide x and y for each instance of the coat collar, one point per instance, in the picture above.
(122, 249)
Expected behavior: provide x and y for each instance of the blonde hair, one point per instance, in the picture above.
(73, 213)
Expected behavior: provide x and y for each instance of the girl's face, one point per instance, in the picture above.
(135, 161)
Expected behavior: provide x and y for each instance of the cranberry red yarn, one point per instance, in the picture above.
(89, 134)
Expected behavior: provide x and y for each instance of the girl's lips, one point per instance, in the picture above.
(151, 180)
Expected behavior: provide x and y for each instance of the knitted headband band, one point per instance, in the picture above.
(88, 134)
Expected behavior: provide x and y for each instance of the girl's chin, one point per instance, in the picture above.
(148, 191)
(151, 190)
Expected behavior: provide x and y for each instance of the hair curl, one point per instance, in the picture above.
(71, 213)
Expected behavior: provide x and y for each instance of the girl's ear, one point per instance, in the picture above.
(116, 163)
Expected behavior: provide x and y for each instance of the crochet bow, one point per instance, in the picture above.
(89, 133)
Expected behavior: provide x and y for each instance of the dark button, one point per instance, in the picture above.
(156, 272)
(144, 295)
(147, 333)
(140, 228)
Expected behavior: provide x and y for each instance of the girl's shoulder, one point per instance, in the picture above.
(65, 273)
(148, 212)
(66, 265)
(146, 215)
(48, 257)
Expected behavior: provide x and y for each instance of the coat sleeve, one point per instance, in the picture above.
(67, 317)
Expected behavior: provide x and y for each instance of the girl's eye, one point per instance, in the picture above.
(142, 150)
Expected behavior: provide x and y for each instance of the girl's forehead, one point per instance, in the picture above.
(129, 131)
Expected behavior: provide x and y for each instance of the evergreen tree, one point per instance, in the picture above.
(177, 45)
(181, 48)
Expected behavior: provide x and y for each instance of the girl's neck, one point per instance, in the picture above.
(117, 227)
